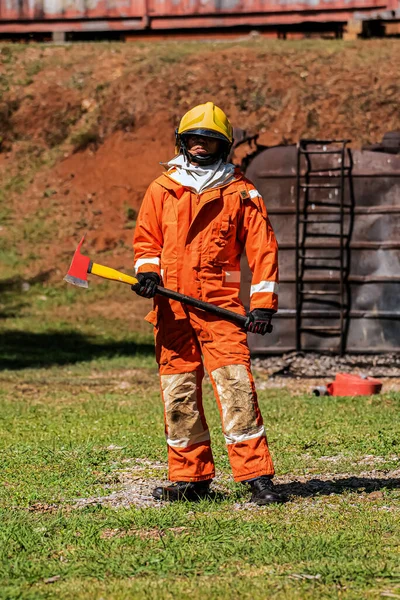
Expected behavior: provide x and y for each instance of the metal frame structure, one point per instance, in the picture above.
(316, 217)
(371, 319)
(370, 246)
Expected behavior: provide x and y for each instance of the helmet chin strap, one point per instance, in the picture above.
(203, 159)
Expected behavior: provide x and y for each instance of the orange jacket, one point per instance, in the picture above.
(200, 256)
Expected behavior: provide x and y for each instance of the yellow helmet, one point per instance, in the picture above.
(206, 120)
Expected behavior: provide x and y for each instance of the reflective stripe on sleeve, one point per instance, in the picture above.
(265, 286)
(147, 261)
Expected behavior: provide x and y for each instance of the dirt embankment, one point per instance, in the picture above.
(84, 127)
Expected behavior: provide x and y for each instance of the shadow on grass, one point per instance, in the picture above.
(319, 487)
(21, 350)
(12, 290)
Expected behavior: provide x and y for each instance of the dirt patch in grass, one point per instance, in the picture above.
(135, 493)
(42, 507)
(134, 488)
(121, 386)
(143, 534)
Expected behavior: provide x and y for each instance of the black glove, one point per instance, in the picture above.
(259, 321)
(147, 286)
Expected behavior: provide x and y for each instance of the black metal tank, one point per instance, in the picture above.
(373, 278)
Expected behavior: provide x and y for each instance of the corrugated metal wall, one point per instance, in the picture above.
(219, 7)
(70, 9)
(20, 15)
(374, 250)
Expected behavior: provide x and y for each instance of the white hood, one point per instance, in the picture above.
(197, 178)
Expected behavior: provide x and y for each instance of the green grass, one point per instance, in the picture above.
(58, 425)
(215, 554)
(80, 412)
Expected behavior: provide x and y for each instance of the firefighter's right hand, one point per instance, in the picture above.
(147, 284)
(259, 321)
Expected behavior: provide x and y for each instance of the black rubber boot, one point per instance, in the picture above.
(182, 490)
(263, 491)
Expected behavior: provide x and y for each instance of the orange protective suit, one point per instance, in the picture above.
(194, 241)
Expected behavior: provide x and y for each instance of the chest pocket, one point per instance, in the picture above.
(222, 241)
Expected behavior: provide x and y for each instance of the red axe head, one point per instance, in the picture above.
(78, 270)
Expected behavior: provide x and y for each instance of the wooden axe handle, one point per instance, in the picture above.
(114, 275)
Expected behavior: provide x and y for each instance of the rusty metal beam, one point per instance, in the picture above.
(290, 313)
(280, 17)
(360, 210)
(388, 245)
(278, 350)
(268, 175)
(359, 279)
(78, 24)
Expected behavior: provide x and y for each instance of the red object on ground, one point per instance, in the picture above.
(346, 384)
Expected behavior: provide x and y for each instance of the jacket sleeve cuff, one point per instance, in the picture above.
(149, 268)
(264, 300)
(147, 265)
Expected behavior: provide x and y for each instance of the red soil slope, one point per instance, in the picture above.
(84, 127)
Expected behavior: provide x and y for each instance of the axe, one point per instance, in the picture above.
(82, 265)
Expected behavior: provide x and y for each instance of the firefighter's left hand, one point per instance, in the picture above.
(259, 321)
(147, 284)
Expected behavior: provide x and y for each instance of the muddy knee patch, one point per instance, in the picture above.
(238, 404)
(182, 411)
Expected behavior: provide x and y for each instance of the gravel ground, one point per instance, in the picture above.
(313, 365)
(297, 385)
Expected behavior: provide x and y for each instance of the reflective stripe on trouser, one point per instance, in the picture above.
(179, 346)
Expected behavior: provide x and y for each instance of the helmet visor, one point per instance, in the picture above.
(206, 133)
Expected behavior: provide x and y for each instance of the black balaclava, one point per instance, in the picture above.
(204, 159)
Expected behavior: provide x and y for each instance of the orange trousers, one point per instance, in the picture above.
(180, 347)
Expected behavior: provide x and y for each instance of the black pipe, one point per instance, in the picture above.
(206, 306)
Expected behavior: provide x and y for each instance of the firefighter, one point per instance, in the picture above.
(194, 223)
